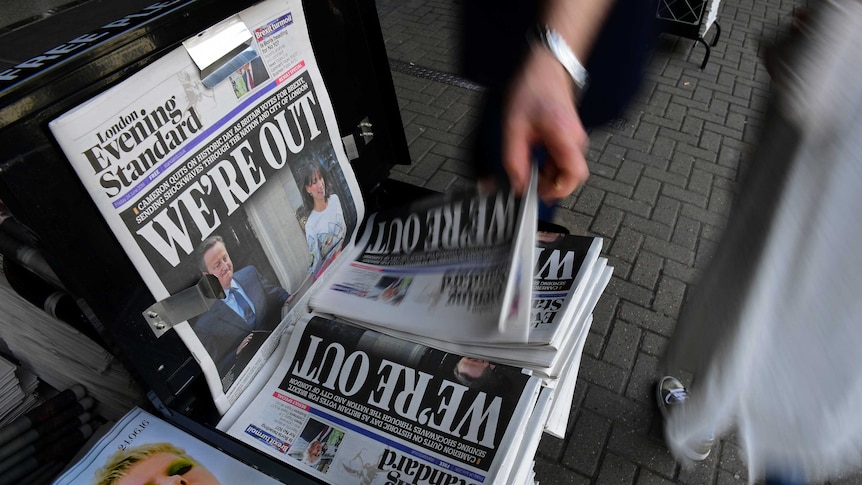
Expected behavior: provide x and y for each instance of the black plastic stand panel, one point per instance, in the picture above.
(38, 82)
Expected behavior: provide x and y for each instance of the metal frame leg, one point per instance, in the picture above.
(705, 57)
(707, 45)
(717, 33)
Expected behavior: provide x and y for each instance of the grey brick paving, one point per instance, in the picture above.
(662, 184)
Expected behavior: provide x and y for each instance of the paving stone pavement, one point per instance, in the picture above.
(662, 182)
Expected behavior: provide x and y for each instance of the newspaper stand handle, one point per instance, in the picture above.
(189, 303)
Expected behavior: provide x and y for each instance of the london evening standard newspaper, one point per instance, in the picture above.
(171, 163)
(543, 360)
(563, 267)
(350, 405)
(454, 267)
(569, 278)
(164, 453)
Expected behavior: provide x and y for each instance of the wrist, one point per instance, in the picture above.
(555, 80)
(554, 43)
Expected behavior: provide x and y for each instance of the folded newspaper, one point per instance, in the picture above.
(454, 267)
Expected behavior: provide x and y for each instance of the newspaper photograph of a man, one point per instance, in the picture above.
(235, 327)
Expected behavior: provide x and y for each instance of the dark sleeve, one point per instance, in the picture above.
(221, 345)
(274, 293)
(618, 61)
(494, 44)
(274, 297)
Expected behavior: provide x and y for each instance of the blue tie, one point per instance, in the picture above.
(247, 312)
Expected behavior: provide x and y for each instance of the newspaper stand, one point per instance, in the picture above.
(41, 189)
(690, 19)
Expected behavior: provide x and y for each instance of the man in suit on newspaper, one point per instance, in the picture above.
(235, 327)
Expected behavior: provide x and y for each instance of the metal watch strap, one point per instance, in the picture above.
(561, 50)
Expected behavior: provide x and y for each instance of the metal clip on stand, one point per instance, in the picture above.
(189, 303)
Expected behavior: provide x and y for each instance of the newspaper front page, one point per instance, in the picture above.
(234, 169)
(545, 361)
(455, 267)
(569, 278)
(563, 267)
(350, 405)
(142, 448)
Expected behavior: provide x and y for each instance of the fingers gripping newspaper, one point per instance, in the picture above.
(233, 168)
(351, 405)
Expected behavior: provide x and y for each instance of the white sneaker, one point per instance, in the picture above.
(671, 394)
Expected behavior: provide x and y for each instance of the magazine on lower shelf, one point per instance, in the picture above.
(142, 448)
(346, 401)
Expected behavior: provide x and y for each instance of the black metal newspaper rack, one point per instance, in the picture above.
(690, 19)
(57, 63)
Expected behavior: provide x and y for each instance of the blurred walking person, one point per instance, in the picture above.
(773, 332)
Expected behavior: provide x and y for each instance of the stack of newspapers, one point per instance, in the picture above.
(36, 445)
(62, 356)
(346, 403)
(17, 391)
(422, 366)
(432, 342)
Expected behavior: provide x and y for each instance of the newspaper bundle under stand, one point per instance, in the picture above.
(236, 168)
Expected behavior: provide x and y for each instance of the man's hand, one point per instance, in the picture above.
(540, 111)
(244, 343)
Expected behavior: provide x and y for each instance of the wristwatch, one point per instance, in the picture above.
(555, 43)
